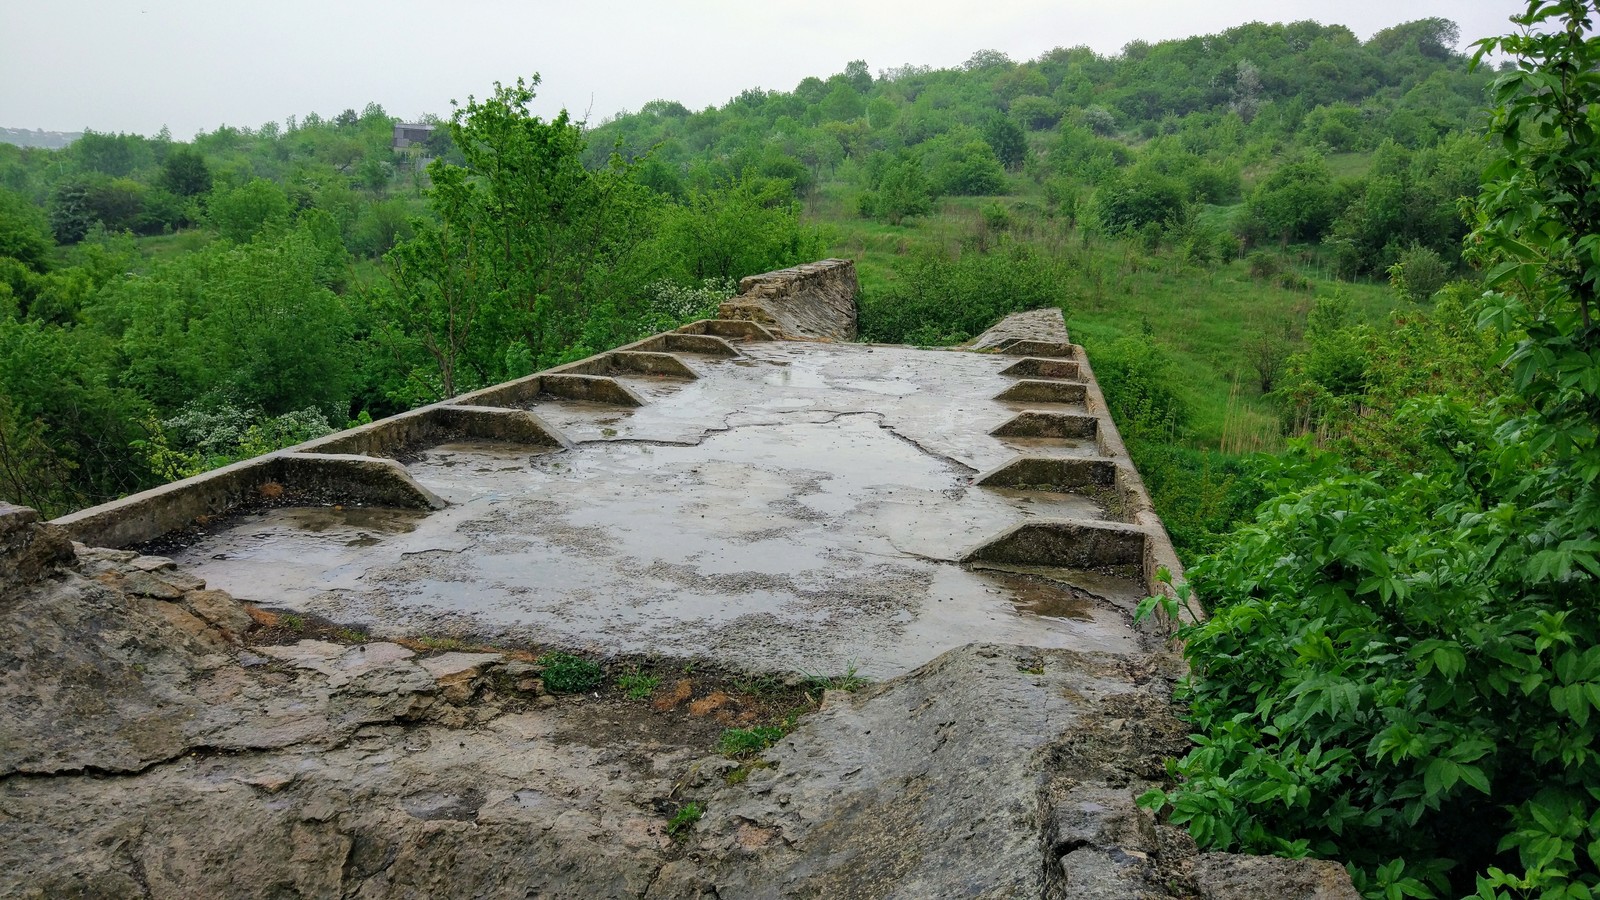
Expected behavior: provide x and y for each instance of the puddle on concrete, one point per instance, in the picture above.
(1040, 597)
(363, 519)
(808, 524)
(653, 387)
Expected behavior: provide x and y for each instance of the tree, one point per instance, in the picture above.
(78, 203)
(1005, 137)
(252, 208)
(859, 76)
(185, 173)
(970, 169)
(903, 190)
(440, 279)
(24, 232)
(1297, 202)
(530, 238)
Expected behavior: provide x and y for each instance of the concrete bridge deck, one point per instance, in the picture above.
(800, 506)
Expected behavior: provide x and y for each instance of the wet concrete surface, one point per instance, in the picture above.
(797, 508)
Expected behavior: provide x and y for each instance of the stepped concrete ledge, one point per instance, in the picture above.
(367, 480)
(196, 716)
(1065, 544)
(736, 329)
(589, 388)
(683, 342)
(1040, 391)
(635, 362)
(1035, 423)
(1035, 367)
(1060, 474)
(1048, 349)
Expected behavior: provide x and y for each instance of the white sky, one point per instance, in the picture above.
(134, 65)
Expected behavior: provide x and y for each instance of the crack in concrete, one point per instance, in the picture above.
(833, 416)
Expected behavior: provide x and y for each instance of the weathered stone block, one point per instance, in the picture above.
(816, 301)
(28, 548)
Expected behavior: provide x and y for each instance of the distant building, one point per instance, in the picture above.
(406, 134)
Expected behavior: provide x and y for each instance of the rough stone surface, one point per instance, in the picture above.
(1034, 325)
(816, 301)
(1228, 876)
(320, 769)
(27, 549)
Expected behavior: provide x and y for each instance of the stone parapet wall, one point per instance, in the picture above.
(816, 301)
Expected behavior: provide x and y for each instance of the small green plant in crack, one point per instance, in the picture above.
(738, 742)
(608, 432)
(684, 819)
(351, 636)
(568, 674)
(292, 621)
(637, 686)
(758, 685)
(742, 774)
(441, 643)
(849, 681)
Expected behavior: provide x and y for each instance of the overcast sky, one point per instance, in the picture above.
(135, 65)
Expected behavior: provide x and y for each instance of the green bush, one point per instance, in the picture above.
(938, 298)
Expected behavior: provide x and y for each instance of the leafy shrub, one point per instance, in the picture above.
(1131, 204)
(937, 298)
(1263, 264)
(568, 674)
(209, 433)
(1419, 274)
(1140, 382)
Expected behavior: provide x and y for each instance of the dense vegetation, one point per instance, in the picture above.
(1401, 668)
(166, 308)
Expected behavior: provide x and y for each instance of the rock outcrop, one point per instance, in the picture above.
(28, 549)
(816, 301)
